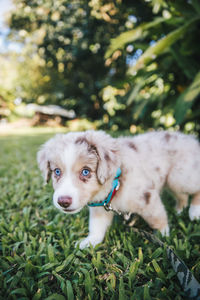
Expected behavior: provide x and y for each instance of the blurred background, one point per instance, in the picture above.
(115, 65)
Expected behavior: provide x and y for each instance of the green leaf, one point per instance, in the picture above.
(158, 48)
(55, 297)
(65, 263)
(140, 255)
(88, 284)
(122, 293)
(157, 253)
(20, 291)
(37, 295)
(133, 270)
(146, 293)
(97, 261)
(131, 36)
(51, 253)
(196, 5)
(48, 266)
(135, 91)
(158, 270)
(112, 279)
(59, 277)
(186, 99)
(185, 62)
(70, 294)
(16, 279)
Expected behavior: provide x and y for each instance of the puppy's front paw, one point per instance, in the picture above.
(194, 212)
(87, 242)
(165, 231)
(179, 211)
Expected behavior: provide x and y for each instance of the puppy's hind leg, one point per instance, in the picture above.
(154, 213)
(194, 210)
(182, 200)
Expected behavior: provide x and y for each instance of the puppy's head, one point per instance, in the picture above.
(81, 165)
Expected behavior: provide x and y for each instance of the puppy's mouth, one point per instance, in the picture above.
(71, 211)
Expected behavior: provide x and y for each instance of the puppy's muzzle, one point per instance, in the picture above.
(64, 201)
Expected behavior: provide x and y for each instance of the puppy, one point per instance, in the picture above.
(83, 165)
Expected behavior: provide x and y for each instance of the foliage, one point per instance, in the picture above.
(37, 252)
(128, 64)
(162, 74)
(185, 100)
(71, 50)
(8, 77)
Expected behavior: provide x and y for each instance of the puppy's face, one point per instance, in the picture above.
(74, 177)
(79, 166)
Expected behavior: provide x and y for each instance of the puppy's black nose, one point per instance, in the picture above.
(65, 201)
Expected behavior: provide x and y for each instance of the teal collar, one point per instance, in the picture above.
(115, 187)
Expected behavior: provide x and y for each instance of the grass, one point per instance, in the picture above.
(38, 259)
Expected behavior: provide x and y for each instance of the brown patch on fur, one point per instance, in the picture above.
(85, 178)
(147, 196)
(49, 171)
(196, 199)
(157, 169)
(114, 151)
(156, 222)
(132, 146)
(106, 156)
(83, 140)
(167, 137)
(93, 148)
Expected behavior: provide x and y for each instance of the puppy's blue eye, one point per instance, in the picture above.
(85, 172)
(57, 172)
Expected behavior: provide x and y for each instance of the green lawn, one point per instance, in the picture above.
(38, 259)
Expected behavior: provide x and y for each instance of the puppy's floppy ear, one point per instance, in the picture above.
(43, 163)
(107, 152)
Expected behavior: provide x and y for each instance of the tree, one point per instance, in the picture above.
(109, 59)
(71, 37)
(8, 77)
